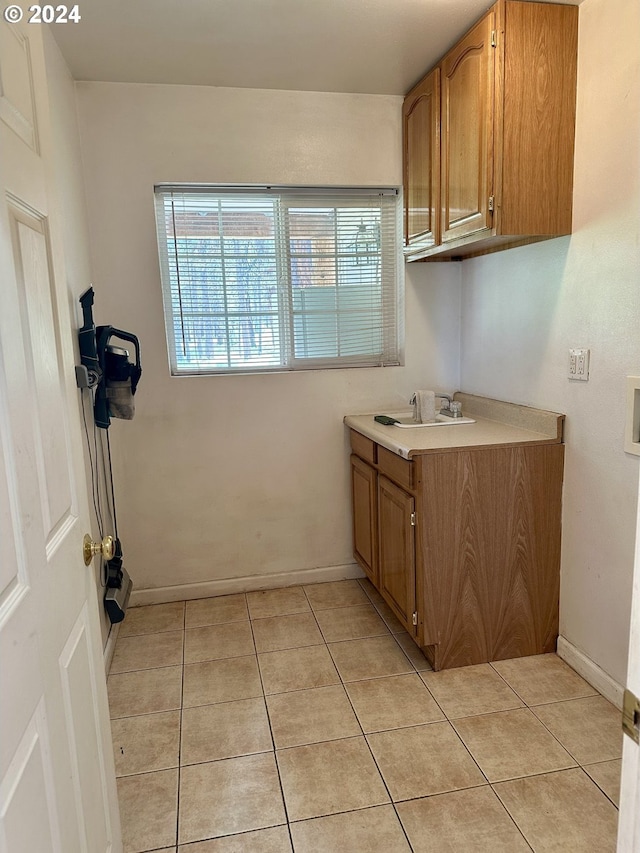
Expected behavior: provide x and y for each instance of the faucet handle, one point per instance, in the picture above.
(456, 409)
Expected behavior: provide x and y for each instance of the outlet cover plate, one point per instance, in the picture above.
(579, 364)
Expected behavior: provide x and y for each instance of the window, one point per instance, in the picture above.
(279, 278)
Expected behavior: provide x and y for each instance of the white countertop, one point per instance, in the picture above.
(412, 442)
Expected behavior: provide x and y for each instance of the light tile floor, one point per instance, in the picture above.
(304, 719)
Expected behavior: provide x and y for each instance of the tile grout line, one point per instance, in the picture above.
(450, 721)
(557, 739)
(384, 782)
(511, 818)
(184, 639)
(582, 764)
(382, 779)
(551, 701)
(533, 775)
(527, 776)
(584, 768)
(495, 793)
(230, 701)
(517, 710)
(566, 749)
(273, 741)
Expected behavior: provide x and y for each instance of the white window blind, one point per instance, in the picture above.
(279, 278)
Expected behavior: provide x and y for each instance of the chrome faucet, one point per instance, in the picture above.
(450, 407)
(448, 400)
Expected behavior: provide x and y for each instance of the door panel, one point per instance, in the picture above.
(28, 789)
(77, 675)
(31, 255)
(17, 105)
(12, 579)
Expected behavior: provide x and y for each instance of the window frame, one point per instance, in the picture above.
(391, 275)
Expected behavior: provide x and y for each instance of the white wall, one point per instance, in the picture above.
(522, 310)
(240, 476)
(71, 206)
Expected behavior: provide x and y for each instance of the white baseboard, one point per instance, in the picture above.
(591, 672)
(228, 586)
(110, 646)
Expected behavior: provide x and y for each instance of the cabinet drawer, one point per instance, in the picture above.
(363, 447)
(395, 467)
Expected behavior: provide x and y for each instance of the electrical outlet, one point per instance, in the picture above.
(579, 364)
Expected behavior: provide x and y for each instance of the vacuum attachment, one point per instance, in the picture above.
(117, 598)
(107, 367)
(119, 586)
(120, 377)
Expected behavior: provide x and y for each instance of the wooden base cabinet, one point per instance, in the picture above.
(489, 136)
(467, 547)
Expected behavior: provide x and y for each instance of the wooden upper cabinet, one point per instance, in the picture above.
(421, 131)
(504, 148)
(467, 132)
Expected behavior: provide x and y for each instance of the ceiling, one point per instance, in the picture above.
(366, 46)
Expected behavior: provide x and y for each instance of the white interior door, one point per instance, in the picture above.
(57, 782)
(629, 823)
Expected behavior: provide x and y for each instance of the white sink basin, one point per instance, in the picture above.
(405, 422)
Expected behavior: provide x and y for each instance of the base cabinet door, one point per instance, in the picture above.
(396, 564)
(365, 517)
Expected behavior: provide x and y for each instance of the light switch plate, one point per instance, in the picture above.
(579, 364)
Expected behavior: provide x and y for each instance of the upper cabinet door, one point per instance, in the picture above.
(421, 134)
(535, 158)
(467, 132)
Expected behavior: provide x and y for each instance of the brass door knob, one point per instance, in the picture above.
(106, 548)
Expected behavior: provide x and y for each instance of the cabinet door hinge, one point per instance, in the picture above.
(494, 38)
(491, 200)
(414, 620)
(413, 519)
